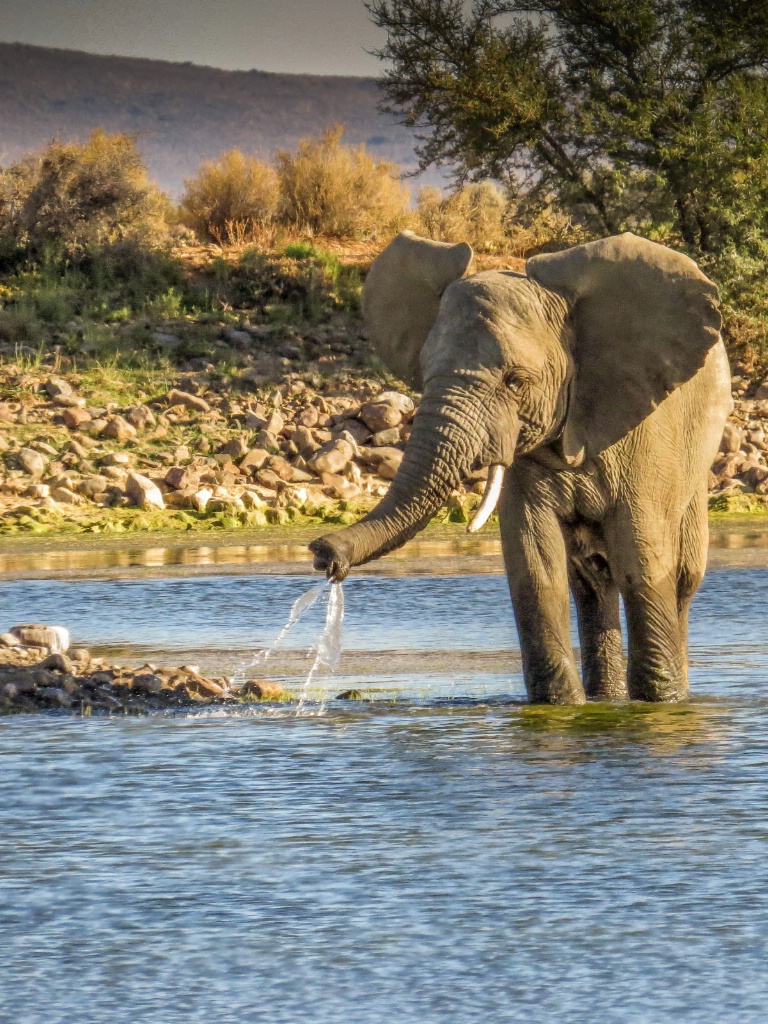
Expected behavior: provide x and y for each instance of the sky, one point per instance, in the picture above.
(324, 37)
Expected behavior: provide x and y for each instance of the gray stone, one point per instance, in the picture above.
(731, 440)
(31, 634)
(119, 429)
(386, 438)
(31, 462)
(332, 457)
(57, 387)
(141, 491)
(193, 402)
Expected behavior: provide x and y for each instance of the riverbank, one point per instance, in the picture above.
(272, 412)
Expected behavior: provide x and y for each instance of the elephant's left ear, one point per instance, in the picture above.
(644, 318)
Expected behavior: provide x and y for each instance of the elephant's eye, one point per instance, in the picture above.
(513, 382)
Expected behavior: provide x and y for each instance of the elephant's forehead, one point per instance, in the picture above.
(497, 318)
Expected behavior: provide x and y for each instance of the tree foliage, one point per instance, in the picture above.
(644, 114)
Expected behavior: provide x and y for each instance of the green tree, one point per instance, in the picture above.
(644, 114)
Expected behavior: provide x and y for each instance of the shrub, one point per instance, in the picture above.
(231, 199)
(475, 214)
(74, 199)
(328, 188)
(480, 214)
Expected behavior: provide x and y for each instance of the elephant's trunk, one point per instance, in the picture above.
(448, 436)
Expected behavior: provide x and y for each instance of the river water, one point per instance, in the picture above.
(436, 853)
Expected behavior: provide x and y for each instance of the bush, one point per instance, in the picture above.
(231, 200)
(327, 188)
(74, 199)
(481, 215)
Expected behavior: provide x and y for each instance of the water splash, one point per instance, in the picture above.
(299, 606)
(329, 647)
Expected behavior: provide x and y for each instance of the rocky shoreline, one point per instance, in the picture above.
(199, 455)
(39, 671)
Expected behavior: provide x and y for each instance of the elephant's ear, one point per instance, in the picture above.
(401, 297)
(644, 318)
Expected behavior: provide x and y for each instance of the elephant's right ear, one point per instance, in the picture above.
(401, 297)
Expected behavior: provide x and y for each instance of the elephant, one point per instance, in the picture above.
(596, 387)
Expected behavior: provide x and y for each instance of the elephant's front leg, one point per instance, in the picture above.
(535, 559)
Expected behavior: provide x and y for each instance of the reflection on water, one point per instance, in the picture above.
(458, 554)
(273, 555)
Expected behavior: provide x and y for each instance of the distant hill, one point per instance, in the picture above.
(182, 113)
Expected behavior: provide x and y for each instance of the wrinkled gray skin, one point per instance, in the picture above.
(599, 380)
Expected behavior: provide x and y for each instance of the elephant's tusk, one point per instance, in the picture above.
(489, 500)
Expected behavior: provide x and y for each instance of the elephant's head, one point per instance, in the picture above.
(573, 355)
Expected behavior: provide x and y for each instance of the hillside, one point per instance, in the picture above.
(181, 113)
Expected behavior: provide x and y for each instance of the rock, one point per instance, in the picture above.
(308, 416)
(90, 486)
(55, 638)
(193, 402)
(57, 663)
(275, 423)
(236, 447)
(180, 477)
(253, 460)
(141, 491)
(79, 655)
(115, 459)
(252, 501)
(260, 689)
(31, 462)
(65, 495)
(54, 694)
(762, 392)
(119, 429)
(384, 461)
(332, 457)
(147, 682)
(388, 410)
(305, 441)
(200, 499)
(281, 467)
(340, 486)
(386, 438)
(379, 416)
(141, 417)
(204, 689)
(9, 640)
(349, 695)
(755, 475)
(240, 339)
(355, 428)
(57, 387)
(264, 439)
(37, 491)
(731, 441)
(75, 418)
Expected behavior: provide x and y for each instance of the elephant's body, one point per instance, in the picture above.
(631, 522)
(599, 380)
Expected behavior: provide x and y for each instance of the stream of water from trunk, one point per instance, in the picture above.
(328, 650)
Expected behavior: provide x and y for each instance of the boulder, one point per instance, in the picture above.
(384, 461)
(386, 438)
(65, 495)
(141, 417)
(339, 486)
(32, 634)
(253, 460)
(200, 499)
(193, 402)
(141, 491)
(332, 457)
(57, 387)
(731, 440)
(119, 429)
(75, 418)
(180, 477)
(31, 462)
(308, 416)
(236, 447)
